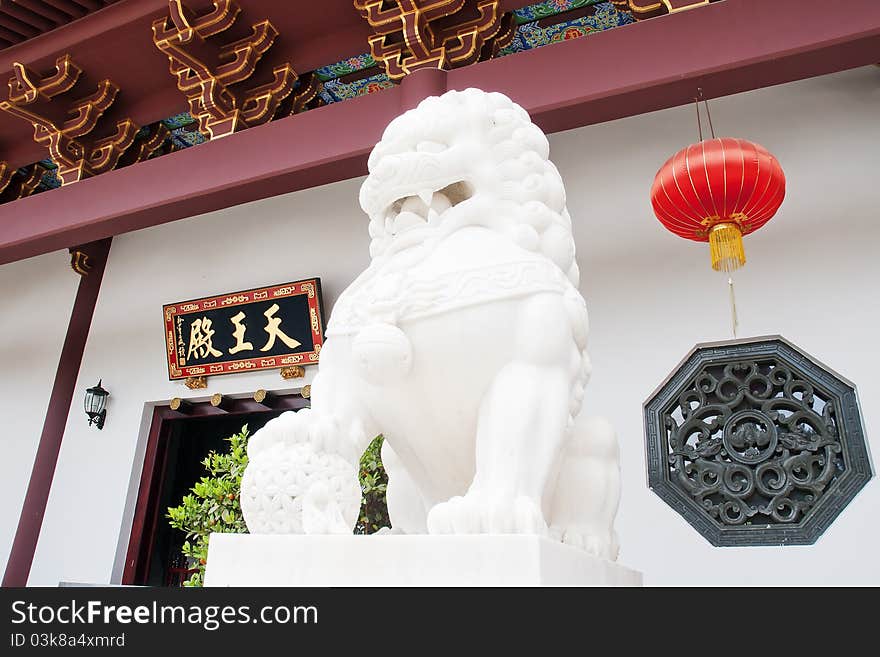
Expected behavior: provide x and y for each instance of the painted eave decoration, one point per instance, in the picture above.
(507, 28)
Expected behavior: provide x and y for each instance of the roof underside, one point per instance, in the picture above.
(330, 38)
(21, 20)
(723, 48)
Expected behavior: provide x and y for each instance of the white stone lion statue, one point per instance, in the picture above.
(463, 343)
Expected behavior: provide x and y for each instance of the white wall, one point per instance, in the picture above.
(812, 277)
(36, 296)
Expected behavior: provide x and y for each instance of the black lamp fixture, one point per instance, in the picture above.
(96, 399)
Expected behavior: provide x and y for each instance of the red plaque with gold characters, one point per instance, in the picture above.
(260, 329)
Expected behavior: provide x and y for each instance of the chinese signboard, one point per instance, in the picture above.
(246, 331)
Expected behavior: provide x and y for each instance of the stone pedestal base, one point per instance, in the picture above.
(397, 560)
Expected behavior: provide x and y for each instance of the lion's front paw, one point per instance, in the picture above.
(289, 428)
(297, 480)
(479, 514)
(597, 544)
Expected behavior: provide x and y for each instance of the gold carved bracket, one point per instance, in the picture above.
(196, 382)
(80, 261)
(649, 8)
(292, 372)
(69, 129)
(84, 257)
(18, 183)
(414, 34)
(212, 74)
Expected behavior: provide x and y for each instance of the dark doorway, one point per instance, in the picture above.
(189, 442)
(176, 446)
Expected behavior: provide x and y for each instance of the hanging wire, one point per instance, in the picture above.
(708, 114)
(699, 122)
(734, 320)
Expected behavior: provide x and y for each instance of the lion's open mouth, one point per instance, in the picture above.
(424, 208)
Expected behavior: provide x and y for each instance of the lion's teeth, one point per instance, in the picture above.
(414, 205)
(426, 195)
(440, 203)
(407, 220)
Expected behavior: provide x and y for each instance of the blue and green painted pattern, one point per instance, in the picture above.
(345, 67)
(336, 90)
(549, 8)
(531, 35)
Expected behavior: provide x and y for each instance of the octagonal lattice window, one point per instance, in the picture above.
(754, 442)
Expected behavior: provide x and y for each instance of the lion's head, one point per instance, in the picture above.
(462, 159)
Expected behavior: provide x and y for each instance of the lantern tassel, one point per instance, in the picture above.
(734, 320)
(726, 246)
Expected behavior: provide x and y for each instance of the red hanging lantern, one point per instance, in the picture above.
(716, 191)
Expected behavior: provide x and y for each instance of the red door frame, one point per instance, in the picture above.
(146, 515)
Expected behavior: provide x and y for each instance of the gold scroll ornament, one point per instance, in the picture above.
(441, 34)
(196, 382)
(649, 8)
(210, 74)
(292, 372)
(72, 143)
(80, 261)
(18, 183)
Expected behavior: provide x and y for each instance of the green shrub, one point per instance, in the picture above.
(371, 474)
(212, 505)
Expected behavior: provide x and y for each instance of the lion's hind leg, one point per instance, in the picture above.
(522, 424)
(406, 506)
(588, 489)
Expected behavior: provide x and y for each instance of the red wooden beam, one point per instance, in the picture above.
(68, 7)
(44, 10)
(16, 26)
(726, 47)
(28, 17)
(9, 36)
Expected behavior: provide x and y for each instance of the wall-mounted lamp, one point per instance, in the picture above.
(96, 399)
